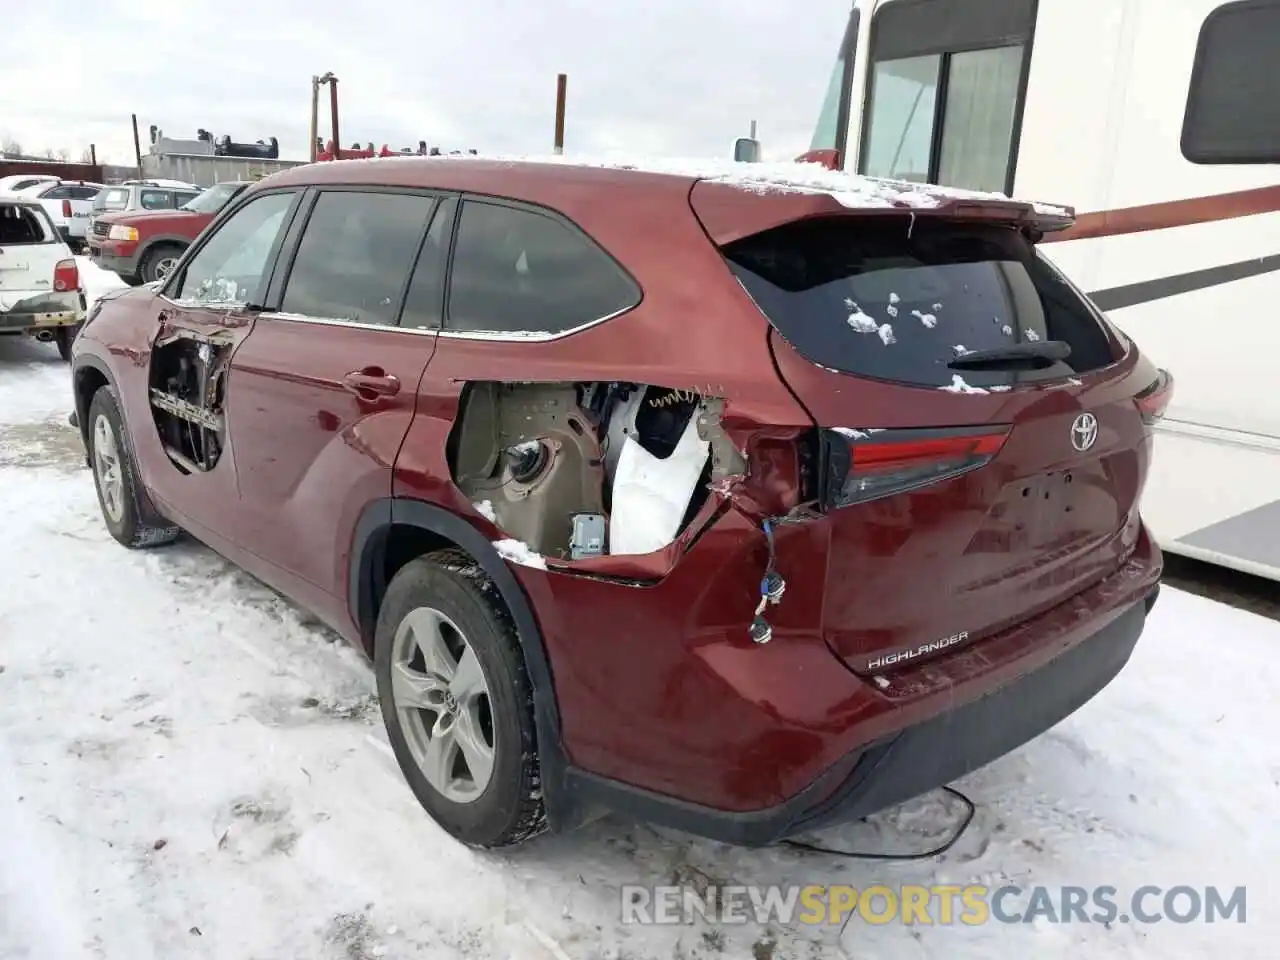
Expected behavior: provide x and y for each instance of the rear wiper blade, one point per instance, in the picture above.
(1016, 355)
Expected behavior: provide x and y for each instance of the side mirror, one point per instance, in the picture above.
(746, 150)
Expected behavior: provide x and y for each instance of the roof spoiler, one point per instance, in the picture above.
(1036, 219)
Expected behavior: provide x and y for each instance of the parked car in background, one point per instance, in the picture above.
(40, 294)
(21, 181)
(143, 245)
(69, 204)
(480, 417)
(142, 195)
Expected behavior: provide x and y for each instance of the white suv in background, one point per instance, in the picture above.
(69, 204)
(40, 290)
(21, 181)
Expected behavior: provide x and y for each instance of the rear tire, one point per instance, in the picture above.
(159, 261)
(126, 509)
(484, 786)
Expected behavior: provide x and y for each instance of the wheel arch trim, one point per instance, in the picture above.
(364, 575)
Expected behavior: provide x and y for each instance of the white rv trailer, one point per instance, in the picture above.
(1159, 122)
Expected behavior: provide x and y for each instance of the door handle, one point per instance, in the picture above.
(371, 382)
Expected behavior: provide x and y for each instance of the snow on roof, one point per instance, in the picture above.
(9, 196)
(848, 189)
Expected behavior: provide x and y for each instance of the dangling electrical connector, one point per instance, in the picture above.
(772, 587)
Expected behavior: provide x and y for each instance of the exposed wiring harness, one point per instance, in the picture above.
(971, 811)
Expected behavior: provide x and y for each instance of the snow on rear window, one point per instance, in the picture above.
(888, 299)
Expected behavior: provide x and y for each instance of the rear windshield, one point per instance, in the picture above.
(888, 298)
(21, 224)
(112, 198)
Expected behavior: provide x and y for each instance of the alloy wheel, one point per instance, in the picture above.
(106, 464)
(442, 699)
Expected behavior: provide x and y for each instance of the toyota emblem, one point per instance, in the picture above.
(1084, 431)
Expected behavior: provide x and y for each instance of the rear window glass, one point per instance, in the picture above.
(23, 225)
(116, 198)
(899, 301)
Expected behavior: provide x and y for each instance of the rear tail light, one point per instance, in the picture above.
(1154, 400)
(66, 208)
(66, 276)
(866, 465)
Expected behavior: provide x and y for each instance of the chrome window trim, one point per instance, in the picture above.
(495, 336)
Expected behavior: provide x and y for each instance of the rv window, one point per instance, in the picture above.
(832, 129)
(903, 106)
(965, 144)
(1233, 105)
(944, 89)
(977, 124)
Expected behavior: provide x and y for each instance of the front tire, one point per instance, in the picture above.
(125, 507)
(456, 701)
(159, 262)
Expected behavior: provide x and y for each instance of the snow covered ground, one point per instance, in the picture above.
(191, 767)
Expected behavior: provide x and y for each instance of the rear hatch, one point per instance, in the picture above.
(983, 444)
(30, 252)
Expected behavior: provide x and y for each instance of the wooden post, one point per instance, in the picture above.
(93, 154)
(137, 145)
(562, 84)
(333, 112)
(315, 115)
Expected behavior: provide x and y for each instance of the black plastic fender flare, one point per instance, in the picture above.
(365, 577)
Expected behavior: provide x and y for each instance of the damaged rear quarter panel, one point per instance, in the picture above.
(650, 679)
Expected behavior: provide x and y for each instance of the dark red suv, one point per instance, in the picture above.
(742, 501)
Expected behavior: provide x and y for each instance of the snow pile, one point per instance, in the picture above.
(95, 281)
(958, 385)
(517, 551)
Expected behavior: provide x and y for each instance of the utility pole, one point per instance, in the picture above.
(332, 81)
(562, 85)
(137, 145)
(315, 115)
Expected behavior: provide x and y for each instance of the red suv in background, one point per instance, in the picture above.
(143, 245)
(738, 500)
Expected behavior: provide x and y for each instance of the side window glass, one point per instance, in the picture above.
(355, 256)
(155, 199)
(230, 268)
(424, 304)
(903, 103)
(518, 271)
(57, 193)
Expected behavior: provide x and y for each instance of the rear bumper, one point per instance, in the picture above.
(963, 740)
(1005, 692)
(41, 309)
